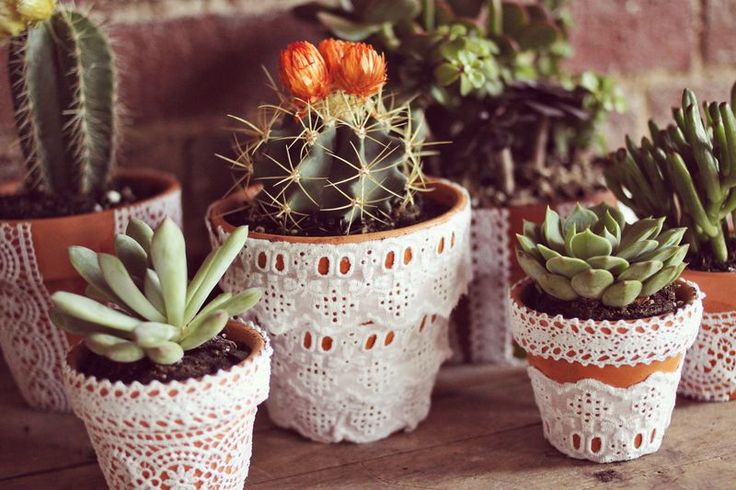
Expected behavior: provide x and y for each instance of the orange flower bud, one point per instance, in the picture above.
(304, 72)
(362, 71)
(332, 50)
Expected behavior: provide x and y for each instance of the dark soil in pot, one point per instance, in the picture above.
(705, 263)
(209, 358)
(662, 302)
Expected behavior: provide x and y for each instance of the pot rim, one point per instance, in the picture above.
(249, 333)
(604, 193)
(442, 190)
(168, 181)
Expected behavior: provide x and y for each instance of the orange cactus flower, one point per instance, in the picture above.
(332, 50)
(304, 72)
(362, 71)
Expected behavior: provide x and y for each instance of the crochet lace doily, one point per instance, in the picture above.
(592, 420)
(181, 434)
(710, 365)
(607, 343)
(33, 347)
(359, 329)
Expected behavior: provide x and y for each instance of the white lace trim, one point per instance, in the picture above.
(182, 434)
(152, 211)
(710, 365)
(592, 420)
(607, 343)
(359, 329)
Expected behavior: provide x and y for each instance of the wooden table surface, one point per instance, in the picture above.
(483, 432)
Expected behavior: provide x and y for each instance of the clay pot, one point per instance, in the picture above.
(359, 323)
(605, 389)
(34, 264)
(709, 373)
(196, 433)
(481, 320)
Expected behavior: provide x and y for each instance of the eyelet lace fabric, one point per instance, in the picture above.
(607, 343)
(359, 329)
(33, 347)
(709, 373)
(182, 434)
(594, 421)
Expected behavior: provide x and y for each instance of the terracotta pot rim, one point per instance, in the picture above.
(453, 193)
(686, 287)
(168, 182)
(551, 203)
(253, 338)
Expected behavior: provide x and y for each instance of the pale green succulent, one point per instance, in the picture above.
(138, 303)
(595, 254)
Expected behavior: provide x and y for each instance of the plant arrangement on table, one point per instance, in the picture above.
(63, 84)
(361, 256)
(487, 76)
(687, 173)
(166, 384)
(605, 323)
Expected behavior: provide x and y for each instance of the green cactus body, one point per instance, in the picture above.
(63, 85)
(595, 254)
(138, 302)
(351, 167)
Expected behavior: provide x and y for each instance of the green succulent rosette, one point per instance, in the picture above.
(595, 254)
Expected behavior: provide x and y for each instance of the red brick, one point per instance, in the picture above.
(719, 34)
(663, 98)
(633, 36)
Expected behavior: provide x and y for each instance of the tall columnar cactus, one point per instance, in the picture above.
(595, 254)
(63, 84)
(157, 313)
(686, 172)
(335, 153)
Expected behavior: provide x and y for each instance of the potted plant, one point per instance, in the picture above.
(687, 172)
(63, 83)
(361, 257)
(605, 324)
(166, 384)
(487, 77)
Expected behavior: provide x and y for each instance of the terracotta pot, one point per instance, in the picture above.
(34, 264)
(182, 434)
(709, 373)
(359, 323)
(481, 320)
(605, 389)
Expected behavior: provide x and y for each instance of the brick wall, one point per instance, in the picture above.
(188, 63)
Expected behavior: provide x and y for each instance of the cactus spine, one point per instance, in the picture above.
(63, 84)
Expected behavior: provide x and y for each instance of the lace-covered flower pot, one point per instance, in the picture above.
(481, 319)
(181, 434)
(34, 264)
(605, 390)
(709, 373)
(359, 323)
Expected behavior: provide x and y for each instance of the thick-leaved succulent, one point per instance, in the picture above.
(595, 254)
(139, 302)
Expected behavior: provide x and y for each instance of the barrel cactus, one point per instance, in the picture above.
(63, 86)
(333, 151)
(595, 254)
(138, 303)
(686, 172)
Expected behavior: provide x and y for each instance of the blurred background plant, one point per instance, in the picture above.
(487, 75)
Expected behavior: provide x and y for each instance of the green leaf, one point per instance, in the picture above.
(139, 231)
(640, 230)
(637, 249)
(557, 286)
(165, 353)
(591, 283)
(670, 238)
(528, 246)
(621, 294)
(152, 290)
(207, 330)
(346, 29)
(86, 264)
(122, 284)
(446, 74)
(661, 279)
(242, 302)
(100, 343)
(641, 271)
(152, 334)
(547, 252)
(566, 266)
(616, 265)
(587, 244)
(89, 310)
(168, 254)
(530, 265)
(132, 255)
(581, 218)
(678, 256)
(125, 352)
(531, 230)
(552, 231)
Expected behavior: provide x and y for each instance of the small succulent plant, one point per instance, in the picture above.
(138, 303)
(64, 89)
(595, 254)
(686, 172)
(332, 151)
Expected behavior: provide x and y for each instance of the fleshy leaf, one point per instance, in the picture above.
(587, 244)
(621, 294)
(592, 283)
(566, 266)
(641, 271)
(638, 249)
(552, 231)
(547, 252)
(616, 265)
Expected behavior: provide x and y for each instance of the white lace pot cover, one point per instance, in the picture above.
(709, 373)
(492, 242)
(590, 419)
(33, 347)
(177, 435)
(359, 329)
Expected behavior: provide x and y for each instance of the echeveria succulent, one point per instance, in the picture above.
(595, 254)
(139, 302)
